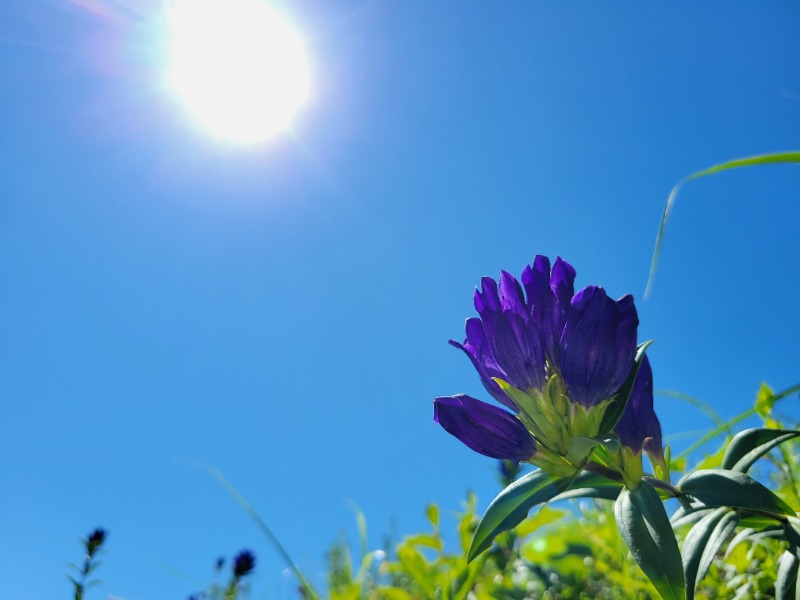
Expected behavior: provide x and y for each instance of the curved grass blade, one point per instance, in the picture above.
(698, 404)
(702, 544)
(308, 590)
(750, 161)
(645, 527)
(751, 444)
(512, 505)
(720, 487)
(740, 417)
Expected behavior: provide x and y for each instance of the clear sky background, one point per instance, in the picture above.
(282, 311)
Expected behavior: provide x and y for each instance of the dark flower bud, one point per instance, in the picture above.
(95, 540)
(509, 470)
(243, 563)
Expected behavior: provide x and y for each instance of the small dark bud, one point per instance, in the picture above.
(95, 540)
(243, 563)
(220, 563)
(509, 470)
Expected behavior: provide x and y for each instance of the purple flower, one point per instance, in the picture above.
(639, 424)
(485, 428)
(557, 354)
(588, 338)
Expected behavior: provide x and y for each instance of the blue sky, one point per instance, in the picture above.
(282, 311)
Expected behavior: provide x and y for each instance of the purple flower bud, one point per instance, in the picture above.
(243, 563)
(639, 424)
(597, 345)
(485, 428)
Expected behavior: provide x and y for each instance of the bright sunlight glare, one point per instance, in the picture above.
(238, 66)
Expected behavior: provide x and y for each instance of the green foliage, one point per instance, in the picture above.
(545, 537)
(513, 504)
(735, 539)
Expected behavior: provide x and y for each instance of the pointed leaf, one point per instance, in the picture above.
(702, 544)
(688, 516)
(511, 506)
(786, 583)
(765, 400)
(644, 526)
(751, 444)
(620, 399)
(719, 487)
(432, 512)
(792, 531)
(591, 485)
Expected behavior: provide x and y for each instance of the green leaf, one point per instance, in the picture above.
(751, 444)
(511, 506)
(620, 400)
(425, 539)
(719, 487)
(765, 400)
(702, 544)
(688, 516)
(786, 583)
(543, 517)
(432, 512)
(417, 568)
(393, 593)
(750, 161)
(792, 531)
(591, 485)
(644, 526)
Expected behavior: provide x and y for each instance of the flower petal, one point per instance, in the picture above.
(548, 299)
(639, 422)
(485, 428)
(597, 345)
(562, 282)
(477, 348)
(518, 351)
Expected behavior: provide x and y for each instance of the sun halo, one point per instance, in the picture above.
(238, 66)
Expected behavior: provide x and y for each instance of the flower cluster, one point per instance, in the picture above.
(557, 360)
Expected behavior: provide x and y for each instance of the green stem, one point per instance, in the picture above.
(604, 471)
(664, 485)
(711, 435)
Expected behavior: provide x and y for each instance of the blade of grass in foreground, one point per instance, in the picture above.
(217, 474)
(750, 161)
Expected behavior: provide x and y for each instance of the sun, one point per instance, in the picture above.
(238, 66)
